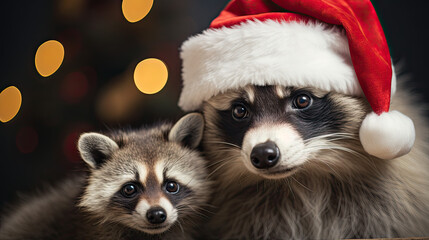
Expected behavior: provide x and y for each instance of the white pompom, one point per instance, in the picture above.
(388, 135)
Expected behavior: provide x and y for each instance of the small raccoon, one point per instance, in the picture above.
(144, 184)
(288, 164)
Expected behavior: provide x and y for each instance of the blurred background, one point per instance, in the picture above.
(100, 57)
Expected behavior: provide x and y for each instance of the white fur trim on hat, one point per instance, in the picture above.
(388, 135)
(266, 53)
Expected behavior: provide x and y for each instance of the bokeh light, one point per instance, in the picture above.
(49, 57)
(27, 140)
(119, 100)
(136, 10)
(10, 103)
(150, 75)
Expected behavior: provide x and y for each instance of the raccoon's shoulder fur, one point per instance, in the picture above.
(332, 188)
(144, 184)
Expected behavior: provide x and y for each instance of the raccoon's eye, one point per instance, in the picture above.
(239, 112)
(302, 101)
(129, 190)
(172, 187)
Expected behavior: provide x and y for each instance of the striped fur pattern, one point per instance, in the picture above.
(324, 186)
(134, 176)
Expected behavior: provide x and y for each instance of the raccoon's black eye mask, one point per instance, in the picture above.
(241, 108)
(309, 114)
(300, 101)
(132, 189)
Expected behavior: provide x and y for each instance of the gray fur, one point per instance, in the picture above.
(340, 192)
(90, 142)
(189, 129)
(82, 208)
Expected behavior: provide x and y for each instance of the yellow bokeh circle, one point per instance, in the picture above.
(150, 75)
(136, 10)
(49, 57)
(10, 103)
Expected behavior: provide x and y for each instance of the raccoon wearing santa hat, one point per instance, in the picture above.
(307, 134)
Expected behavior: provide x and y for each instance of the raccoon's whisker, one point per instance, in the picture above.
(311, 151)
(217, 162)
(335, 147)
(291, 190)
(191, 221)
(357, 154)
(225, 149)
(206, 210)
(222, 142)
(325, 146)
(226, 143)
(339, 134)
(201, 209)
(240, 176)
(197, 211)
(333, 170)
(217, 169)
(287, 182)
(180, 226)
(302, 185)
(330, 137)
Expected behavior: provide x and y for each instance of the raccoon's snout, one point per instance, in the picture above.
(265, 155)
(156, 215)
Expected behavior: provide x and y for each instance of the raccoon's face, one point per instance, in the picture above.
(275, 131)
(148, 180)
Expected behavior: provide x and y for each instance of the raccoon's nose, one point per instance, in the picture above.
(156, 215)
(265, 155)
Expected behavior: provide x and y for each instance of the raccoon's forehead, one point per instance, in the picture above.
(151, 151)
(252, 94)
(164, 160)
(143, 137)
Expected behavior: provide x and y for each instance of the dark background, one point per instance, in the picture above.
(94, 90)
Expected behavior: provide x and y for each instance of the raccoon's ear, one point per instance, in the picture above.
(188, 130)
(95, 148)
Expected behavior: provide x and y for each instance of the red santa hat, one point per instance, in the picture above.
(333, 45)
